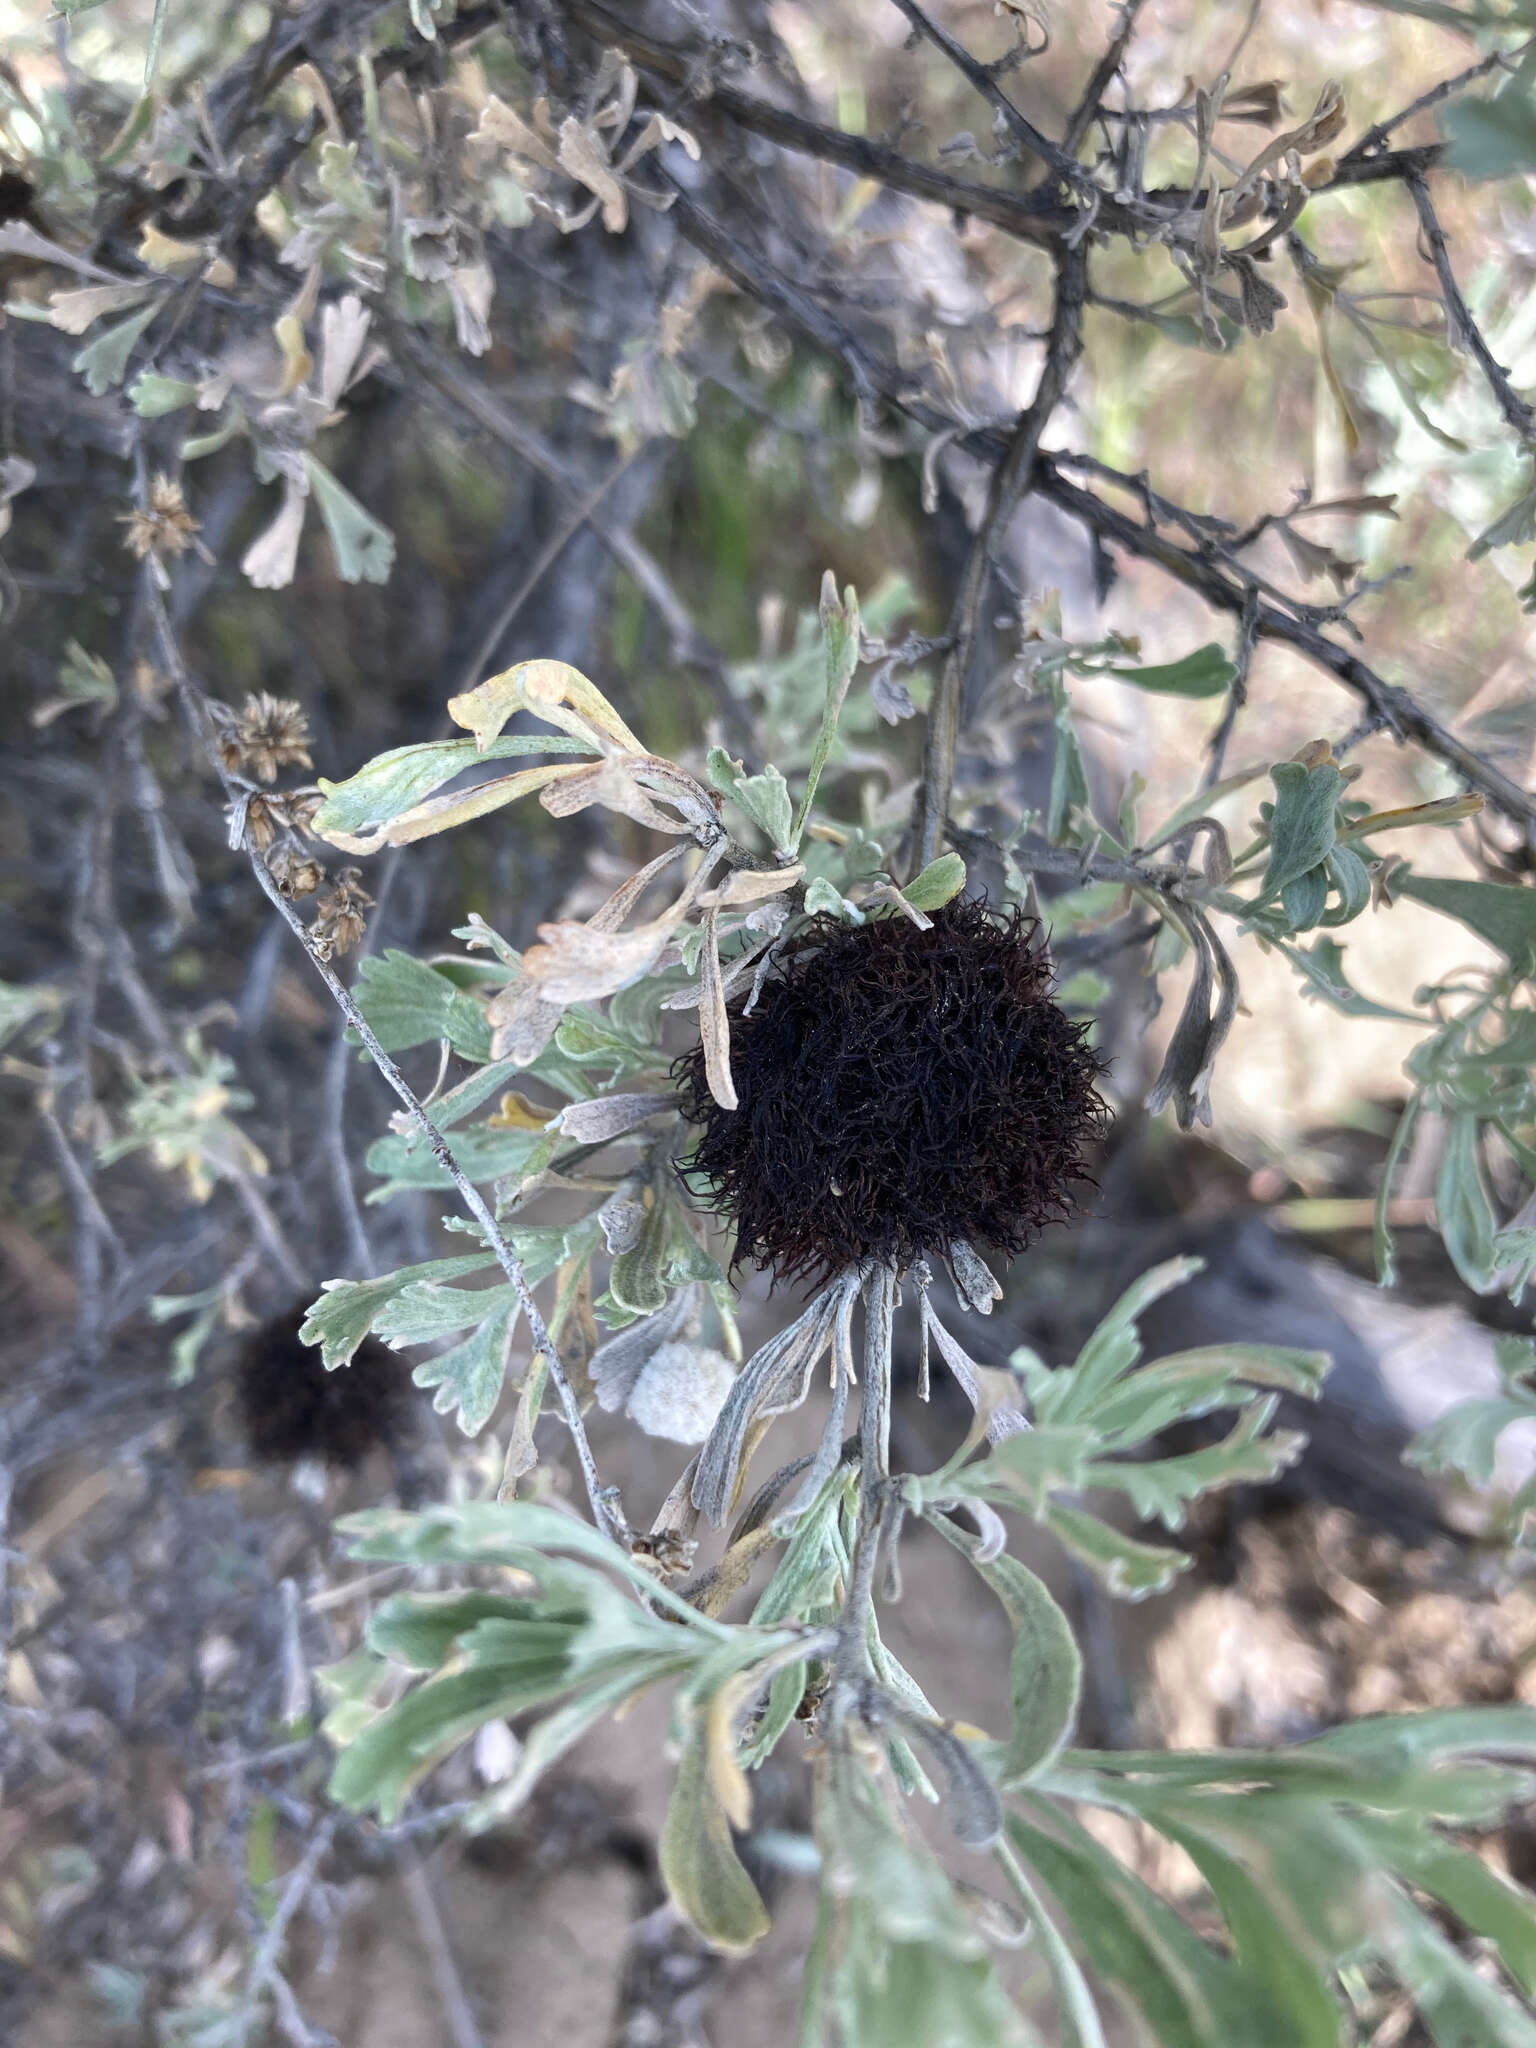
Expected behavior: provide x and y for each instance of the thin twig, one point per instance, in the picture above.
(1099, 82)
(1373, 139)
(494, 418)
(264, 1963)
(1462, 330)
(1237, 694)
(462, 2031)
(1031, 216)
(1010, 479)
(980, 77)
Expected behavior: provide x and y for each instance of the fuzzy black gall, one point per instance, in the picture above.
(898, 1089)
(291, 1407)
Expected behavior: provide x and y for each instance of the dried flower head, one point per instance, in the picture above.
(270, 733)
(339, 922)
(165, 529)
(291, 1407)
(295, 873)
(899, 1089)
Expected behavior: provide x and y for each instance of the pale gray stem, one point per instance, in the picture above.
(462, 2031)
(469, 1194)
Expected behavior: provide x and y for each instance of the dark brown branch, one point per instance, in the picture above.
(1462, 329)
(1237, 695)
(1103, 73)
(1370, 144)
(980, 77)
(1031, 217)
(1010, 479)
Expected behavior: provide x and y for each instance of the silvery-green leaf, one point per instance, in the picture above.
(1113, 1348)
(1461, 2008)
(365, 550)
(1205, 673)
(1032, 1464)
(1304, 898)
(395, 782)
(420, 1629)
(820, 895)
(764, 798)
(637, 1280)
(1462, 1208)
(1186, 1994)
(104, 361)
(704, 1876)
(343, 1316)
(1499, 912)
(1045, 1672)
(1128, 1568)
(938, 884)
(152, 396)
(408, 1003)
(1305, 821)
(1352, 878)
(1162, 1488)
(427, 1310)
(408, 1161)
(1465, 1439)
(470, 1376)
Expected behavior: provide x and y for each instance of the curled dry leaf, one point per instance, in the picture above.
(578, 963)
(993, 1394)
(522, 1016)
(754, 885)
(1316, 132)
(657, 131)
(582, 157)
(73, 311)
(1185, 1080)
(774, 1380)
(522, 1022)
(610, 1116)
(344, 325)
(507, 130)
(271, 558)
(552, 690)
(829, 1449)
(611, 783)
(974, 1278)
(714, 1025)
(471, 288)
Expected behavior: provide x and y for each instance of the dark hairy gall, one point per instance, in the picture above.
(293, 1408)
(898, 1089)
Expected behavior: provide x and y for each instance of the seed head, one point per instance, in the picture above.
(269, 733)
(339, 923)
(165, 529)
(899, 1089)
